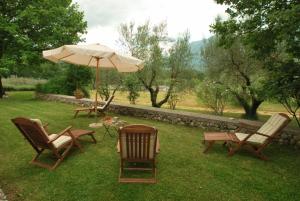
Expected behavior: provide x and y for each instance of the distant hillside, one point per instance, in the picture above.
(196, 48)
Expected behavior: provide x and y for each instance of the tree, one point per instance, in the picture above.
(71, 78)
(146, 42)
(110, 81)
(3, 73)
(133, 86)
(77, 77)
(235, 69)
(213, 94)
(271, 29)
(28, 27)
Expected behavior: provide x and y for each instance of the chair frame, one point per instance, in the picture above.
(94, 108)
(138, 131)
(256, 149)
(46, 143)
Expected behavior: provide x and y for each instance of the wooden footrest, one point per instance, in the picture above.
(211, 137)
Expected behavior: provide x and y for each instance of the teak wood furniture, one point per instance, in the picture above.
(137, 145)
(211, 137)
(255, 141)
(97, 110)
(60, 144)
(112, 125)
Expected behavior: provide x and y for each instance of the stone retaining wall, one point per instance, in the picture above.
(207, 122)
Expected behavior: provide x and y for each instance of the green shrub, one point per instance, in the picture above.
(74, 78)
(53, 86)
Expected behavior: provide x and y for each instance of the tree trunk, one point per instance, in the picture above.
(251, 110)
(153, 96)
(2, 91)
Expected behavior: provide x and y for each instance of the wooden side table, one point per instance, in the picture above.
(112, 123)
(212, 137)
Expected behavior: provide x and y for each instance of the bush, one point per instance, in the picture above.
(74, 78)
(213, 95)
(133, 86)
(53, 86)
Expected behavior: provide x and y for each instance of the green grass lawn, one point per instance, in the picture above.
(184, 173)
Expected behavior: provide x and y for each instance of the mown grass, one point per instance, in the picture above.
(184, 173)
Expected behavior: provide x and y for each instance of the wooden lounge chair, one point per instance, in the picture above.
(255, 141)
(99, 109)
(36, 134)
(137, 145)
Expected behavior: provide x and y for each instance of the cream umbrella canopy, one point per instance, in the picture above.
(94, 55)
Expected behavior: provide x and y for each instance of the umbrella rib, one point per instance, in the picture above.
(112, 61)
(90, 60)
(66, 56)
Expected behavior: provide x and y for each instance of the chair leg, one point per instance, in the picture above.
(93, 137)
(89, 114)
(77, 144)
(258, 153)
(76, 113)
(232, 151)
(62, 156)
(210, 144)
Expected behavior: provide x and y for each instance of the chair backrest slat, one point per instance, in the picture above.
(137, 142)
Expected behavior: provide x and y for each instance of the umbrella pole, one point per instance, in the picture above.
(97, 85)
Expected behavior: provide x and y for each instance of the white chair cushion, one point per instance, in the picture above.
(62, 140)
(39, 122)
(259, 139)
(272, 125)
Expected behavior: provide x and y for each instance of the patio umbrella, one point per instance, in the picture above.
(94, 55)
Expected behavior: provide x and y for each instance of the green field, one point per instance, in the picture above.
(184, 173)
(21, 83)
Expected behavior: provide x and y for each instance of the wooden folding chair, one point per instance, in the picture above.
(137, 145)
(60, 144)
(98, 109)
(255, 141)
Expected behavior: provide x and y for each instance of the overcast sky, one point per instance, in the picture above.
(105, 16)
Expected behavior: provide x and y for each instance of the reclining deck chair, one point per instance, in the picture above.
(255, 141)
(137, 145)
(99, 109)
(37, 136)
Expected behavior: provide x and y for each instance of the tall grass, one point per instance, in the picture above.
(21, 83)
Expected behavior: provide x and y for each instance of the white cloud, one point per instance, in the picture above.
(104, 16)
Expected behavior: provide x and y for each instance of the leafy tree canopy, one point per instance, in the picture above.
(28, 27)
(271, 29)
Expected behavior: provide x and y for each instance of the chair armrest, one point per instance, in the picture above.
(61, 133)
